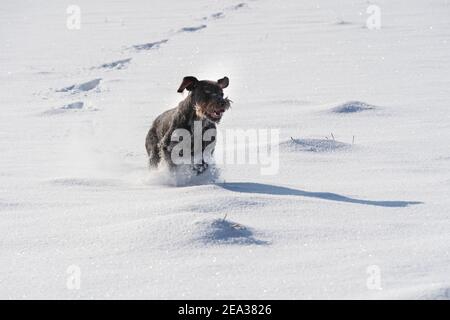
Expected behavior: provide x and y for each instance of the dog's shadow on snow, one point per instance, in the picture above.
(259, 188)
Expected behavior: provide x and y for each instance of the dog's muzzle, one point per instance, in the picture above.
(215, 110)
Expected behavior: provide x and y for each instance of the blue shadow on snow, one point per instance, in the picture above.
(250, 187)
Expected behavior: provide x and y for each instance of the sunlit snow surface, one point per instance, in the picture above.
(358, 209)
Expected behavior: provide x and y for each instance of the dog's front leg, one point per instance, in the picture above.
(165, 147)
(166, 153)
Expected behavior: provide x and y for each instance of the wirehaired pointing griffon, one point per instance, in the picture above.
(203, 107)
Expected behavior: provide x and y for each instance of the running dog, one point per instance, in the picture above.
(205, 104)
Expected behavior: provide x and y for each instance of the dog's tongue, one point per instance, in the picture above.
(217, 114)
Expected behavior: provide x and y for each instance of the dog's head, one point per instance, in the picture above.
(207, 96)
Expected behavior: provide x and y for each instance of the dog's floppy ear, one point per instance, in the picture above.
(188, 83)
(224, 82)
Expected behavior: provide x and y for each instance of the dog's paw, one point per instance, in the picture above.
(200, 168)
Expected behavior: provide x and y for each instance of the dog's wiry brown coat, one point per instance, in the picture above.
(204, 103)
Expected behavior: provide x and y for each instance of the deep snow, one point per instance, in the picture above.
(355, 192)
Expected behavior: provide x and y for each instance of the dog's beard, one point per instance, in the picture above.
(212, 111)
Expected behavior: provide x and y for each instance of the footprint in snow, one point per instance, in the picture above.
(149, 46)
(214, 16)
(313, 145)
(118, 65)
(238, 6)
(192, 29)
(8, 205)
(352, 107)
(220, 14)
(342, 22)
(74, 106)
(82, 87)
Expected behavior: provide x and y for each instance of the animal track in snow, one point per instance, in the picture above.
(74, 106)
(238, 6)
(119, 64)
(352, 107)
(8, 205)
(192, 29)
(217, 15)
(82, 87)
(313, 145)
(150, 45)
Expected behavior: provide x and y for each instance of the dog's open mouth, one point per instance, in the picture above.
(213, 111)
(215, 115)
